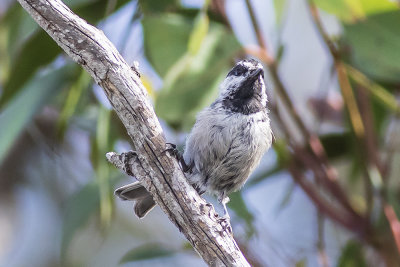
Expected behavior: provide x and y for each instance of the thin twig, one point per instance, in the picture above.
(345, 86)
(339, 216)
(394, 224)
(362, 127)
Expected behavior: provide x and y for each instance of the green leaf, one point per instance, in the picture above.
(280, 6)
(237, 204)
(352, 10)
(19, 26)
(375, 46)
(29, 59)
(190, 82)
(383, 96)
(30, 56)
(301, 263)
(32, 97)
(287, 197)
(337, 145)
(282, 153)
(165, 40)
(393, 197)
(157, 6)
(102, 167)
(199, 32)
(346, 10)
(371, 7)
(352, 255)
(146, 252)
(80, 206)
(280, 53)
(94, 11)
(71, 102)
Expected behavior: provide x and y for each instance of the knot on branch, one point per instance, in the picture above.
(123, 161)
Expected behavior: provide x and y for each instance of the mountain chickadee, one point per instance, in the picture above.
(227, 141)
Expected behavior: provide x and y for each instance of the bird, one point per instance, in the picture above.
(226, 142)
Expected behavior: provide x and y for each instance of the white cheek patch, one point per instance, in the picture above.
(229, 83)
(264, 97)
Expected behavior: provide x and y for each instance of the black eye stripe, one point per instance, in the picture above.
(238, 70)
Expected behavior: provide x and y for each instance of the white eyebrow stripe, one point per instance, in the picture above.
(250, 65)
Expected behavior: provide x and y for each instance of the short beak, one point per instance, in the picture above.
(256, 73)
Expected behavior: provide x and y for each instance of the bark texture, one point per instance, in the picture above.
(158, 171)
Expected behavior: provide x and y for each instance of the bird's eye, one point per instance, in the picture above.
(240, 70)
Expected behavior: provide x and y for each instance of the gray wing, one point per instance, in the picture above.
(208, 147)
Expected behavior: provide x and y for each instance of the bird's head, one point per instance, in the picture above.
(243, 89)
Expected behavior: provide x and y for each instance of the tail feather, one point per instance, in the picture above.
(143, 201)
(131, 191)
(144, 206)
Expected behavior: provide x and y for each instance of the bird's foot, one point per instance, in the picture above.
(171, 148)
(225, 222)
(173, 151)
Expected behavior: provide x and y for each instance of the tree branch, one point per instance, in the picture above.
(157, 171)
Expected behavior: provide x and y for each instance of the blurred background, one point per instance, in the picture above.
(326, 194)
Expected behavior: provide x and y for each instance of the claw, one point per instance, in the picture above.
(171, 148)
(224, 221)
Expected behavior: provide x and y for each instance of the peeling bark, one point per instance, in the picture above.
(156, 169)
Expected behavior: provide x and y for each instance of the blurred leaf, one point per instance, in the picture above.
(19, 25)
(279, 54)
(102, 167)
(371, 7)
(280, 6)
(80, 206)
(356, 167)
(351, 10)
(191, 82)
(165, 40)
(286, 198)
(187, 246)
(352, 255)
(393, 197)
(146, 252)
(156, 6)
(301, 263)
(375, 45)
(30, 57)
(378, 92)
(346, 10)
(4, 55)
(72, 100)
(282, 153)
(198, 34)
(94, 10)
(337, 144)
(237, 204)
(32, 97)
